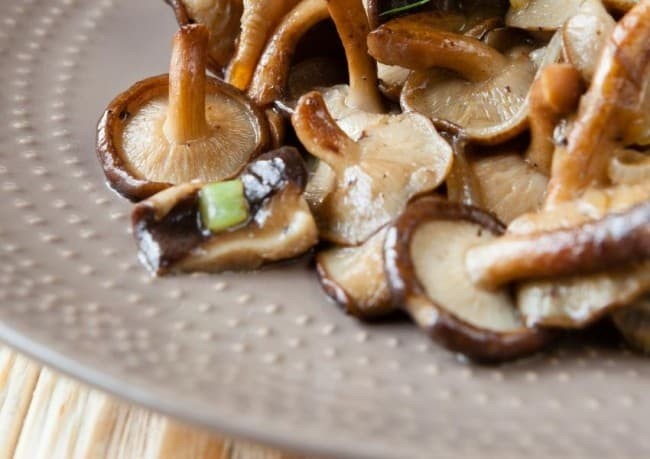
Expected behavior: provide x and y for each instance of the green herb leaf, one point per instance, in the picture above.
(401, 9)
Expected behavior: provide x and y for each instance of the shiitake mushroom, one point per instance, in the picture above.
(176, 128)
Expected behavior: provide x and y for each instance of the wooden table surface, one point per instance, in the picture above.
(47, 416)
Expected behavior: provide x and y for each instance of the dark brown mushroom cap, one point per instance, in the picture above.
(445, 327)
(170, 236)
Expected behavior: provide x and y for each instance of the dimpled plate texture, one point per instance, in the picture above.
(259, 355)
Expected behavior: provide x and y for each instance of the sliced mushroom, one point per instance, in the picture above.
(354, 278)
(577, 301)
(222, 17)
(553, 96)
(615, 240)
(620, 6)
(395, 159)
(424, 255)
(585, 35)
(629, 167)
(507, 185)
(612, 113)
(633, 322)
(172, 236)
(259, 19)
(541, 15)
(458, 79)
(178, 128)
(270, 79)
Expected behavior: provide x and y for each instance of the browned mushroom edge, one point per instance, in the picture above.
(616, 240)
(117, 114)
(445, 328)
(164, 240)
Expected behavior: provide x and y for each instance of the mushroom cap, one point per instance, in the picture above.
(139, 160)
(424, 253)
(585, 35)
(222, 17)
(171, 239)
(393, 160)
(578, 301)
(508, 185)
(541, 15)
(489, 111)
(354, 278)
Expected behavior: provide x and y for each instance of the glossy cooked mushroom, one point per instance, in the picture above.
(263, 218)
(613, 113)
(395, 159)
(424, 256)
(259, 19)
(174, 129)
(221, 17)
(354, 278)
(458, 78)
(541, 15)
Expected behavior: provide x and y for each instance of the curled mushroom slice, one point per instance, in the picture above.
(243, 224)
(395, 159)
(222, 17)
(616, 240)
(354, 278)
(585, 35)
(633, 322)
(269, 82)
(612, 112)
(259, 19)
(424, 255)
(458, 79)
(541, 15)
(178, 128)
(577, 301)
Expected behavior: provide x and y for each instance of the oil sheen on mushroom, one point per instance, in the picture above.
(171, 237)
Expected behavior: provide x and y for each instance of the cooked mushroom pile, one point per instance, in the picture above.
(481, 166)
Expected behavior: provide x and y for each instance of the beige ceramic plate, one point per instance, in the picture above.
(261, 355)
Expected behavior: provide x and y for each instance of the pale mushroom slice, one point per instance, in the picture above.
(578, 301)
(507, 185)
(354, 278)
(172, 236)
(585, 35)
(180, 127)
(617, 239)
(458, 79)
(259, 19)
(424, 256)
(222, 17)
(395, 159)
(612, 114)
(633, 321)
(541, 15)
(629, 167)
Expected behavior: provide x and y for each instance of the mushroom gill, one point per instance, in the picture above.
(178, 128)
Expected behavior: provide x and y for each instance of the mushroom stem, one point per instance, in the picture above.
(554, 95)
(320, 134)
(270, 78)
(186, 113)
(417, 46)
(259, 19)
(352, 25)
(606, 110)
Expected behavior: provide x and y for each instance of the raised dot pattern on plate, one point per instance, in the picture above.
(259, 354)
